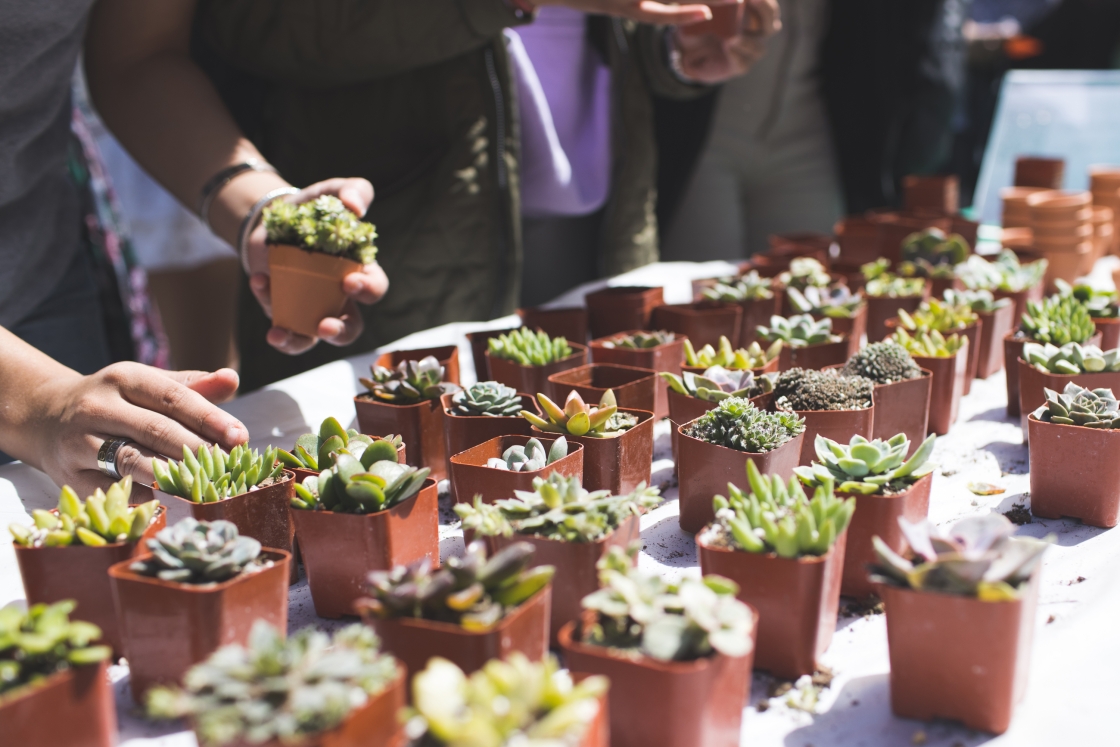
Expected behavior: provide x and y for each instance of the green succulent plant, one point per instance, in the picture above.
(868, 467)
(1071, 358)
(105, 518)
(1005, 273)
(577, 418)
(213, 475)
(315, 449)
(510, 702)
(937, 316)
(528, 348)
(882, 283)
(727, 357)
(324, 225)
(931, 253)
(557, 508)
(929, 344)
(836, 302)
(807, 389)
(640, 340)
(278, 689)
(737, 424)
(43, 640)
(360, 486)
(774, 517)
(486, 398)
(749, 287)
(1101, 304)
(670, 620)
(1076, 405)
(1057, 320)
(980, 301)
(718, 383)
(884, 362)
(799, 331)
(804, 272)
(410, 382)
(199, 552)
(531, 457)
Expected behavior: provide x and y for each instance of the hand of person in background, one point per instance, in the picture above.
(708, 58)
(642, 11)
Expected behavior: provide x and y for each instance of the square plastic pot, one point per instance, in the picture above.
(946, 387)
(420, 426)
(936, 194)
(815, 356)
(462, 432)
(705, 470)
(683, 410)
(858, 239)
(882, 308)
(306, 287)
(955, 657)
(1109, 330)
(703, 322)
(534, 379)
(1019, 300)
(447, 355)
(480, 343)
(617, 464)
(74, 708)
(663, 358)
(755, 314)
(853, 328)
(339, 550)
(994, 326)
(570, 323)
(797, 602)
(667, 703)
(470, 476)
(169, 627)
(903, 407)
(1012, 352)
(81, 573)
(877, 516)
(415, 641)
(1032, 382)
(938, 286)
(1064, 456)
(838, 425)
(634, 388)
(973, 333)
(612, 310)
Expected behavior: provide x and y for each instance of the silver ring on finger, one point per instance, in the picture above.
(107, 456)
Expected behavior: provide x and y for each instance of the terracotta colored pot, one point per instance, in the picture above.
(939, 194)
(815, 356)
(895, 227)
(667, 358)
(703, 322)
(851, 273)
(877, 516)
(946, 388)
(81, 573)
(801, 244)
(772, 366)
(726, 23)
(447, 355)
(683, 410)
(1017, 238)
(1065, 265)
(1015, 210)
(415, 641)
(1063, 233)
(707, 696)
(882, 308)
(1109, 330)
(797, 602)
(570, 323)
(169, 627)
(339, 550)
(858, 238)
(938, 286)
(1012, 352)
(853, 328)
(1019, 300)
(1044, 173)
(972, 332)
(612, 310)
(958, 658)
(1058, 205)
(994, 326)
(576, 575)
(903, 407)
(1032, 382)
(1065, 455)
(705, 470)
(420, 426)
(838, 425)
(755, 314)
(617, 464)
(462, 432)
(73, 708)
(634, 388)
(967, 229)
(480, 343)
(306, 287)
(534, 379)
(470, 476)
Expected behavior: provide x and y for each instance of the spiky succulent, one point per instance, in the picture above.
(717, 384)
(807, 389)
(1057, 320)
(103, 519)
(312, 450)
(1101, 304)
(43, 640)
(931, 253)
(360, 486)
(1071, 358)
(1092, 408)
(928, 344)
(671, 620)
(213, 475)
(410, 382)
(199, 552)
(486, 398)
(804, 272)
(469, 590)
(640, 340)
(323, 225)
(737, 424)
(531, 457)
(837, 301)
(937, 316)
(557, 508)
(577, 418)
(868, 467)
(276, 688)
(507, 702)
(727, 357)
(779, 518)
(528, 348)
(977, 557)
(884, 362)
(749, 287)
(799, 331)
(980, 301)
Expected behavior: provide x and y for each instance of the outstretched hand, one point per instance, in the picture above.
(707, 58)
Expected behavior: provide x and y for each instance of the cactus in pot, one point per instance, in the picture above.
(213, 475)
(312, 450)
(363, 486)
(798, 331)
(529, 348)
(884, 362)
(868, 467)
(41, 641)
(717, 384)
(105, 518)
(409, 383)
(737, 424)
(323, 225)
(577, 418)
(199, 552)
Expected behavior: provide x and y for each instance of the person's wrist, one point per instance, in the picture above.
(237, 199)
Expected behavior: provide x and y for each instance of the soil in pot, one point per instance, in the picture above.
(814, 356)
(946, 388)
(634, 388)
(447, 355)
(994, 326)
(470, 476)
(618, 464)
(74, 708)
(667, 358)
(462, 432)
(1062, 456)
(882, 308)
(306, 287)
(703, 322)
(420, 426)
(1032, 382)
(570, 323)
(613, 310)
(838, 425)
(534, 379)
(480, 343)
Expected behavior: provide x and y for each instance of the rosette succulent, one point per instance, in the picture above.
(213, 475)
(868, 467)
(199, 552)
(727, 357)
(640, 340)
(577, 418)
(737, 424)
(884, 362)
(531, 457)
(931, 253)
(364, 486)
(928, 344)
(1002, 274)
(749, 287)
(1076, 405)
(315, 451)
(1071, 358)
(1057, 320)
(324, 225)
(105, 518)
(410, 382)
(717, 384)
(804, 272)
(43, 640)
(881, 283)
(528, 348)
(837, 301)
(486, 398)
(798, 331)
(807, 389)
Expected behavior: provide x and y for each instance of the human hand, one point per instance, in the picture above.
(643, 11)
(367, 286)
(708, 58)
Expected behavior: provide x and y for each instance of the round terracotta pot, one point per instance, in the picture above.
(1032, 382)
(419, 425)
(480, 343)
(853, 328)
(73, 708)
(667, 358)
(946, 388)
(617, 464)
(1062, 233)
(306, 287)
(447, 355)
(1015, 211)
(612, 310)
(1017, 238)
(939, 194)
(858, 238)
(634, 388)
(882, 308)
(1037, 172)
(533, 379)
(570, 323)
(994, 326)
(1064, 455)
(1109, 330)
(462, 432)
(470, 476)
(703, 322)
(838, 425)
(815, 356)
(797, 601)
(1057, 205)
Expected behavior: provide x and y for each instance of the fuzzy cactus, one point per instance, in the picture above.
(883, 363)
(807, 389)
(323, 225)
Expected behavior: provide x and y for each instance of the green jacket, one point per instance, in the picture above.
(420, 102)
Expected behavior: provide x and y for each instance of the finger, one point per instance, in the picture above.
(289, 342)
(164, 415)
(345, 329)
(261, 287)
(356, 194)
(367, 286)
(764, 17)
(131, 459)
(217, 386)
(671, 15)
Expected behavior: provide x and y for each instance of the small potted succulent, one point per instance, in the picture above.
(945, 317)
(933, 254)
(1074, 436)
(366, 512)
(846, 309)
(960, 619)
(785, 551)
(885, 485)
(311, 248)
(570, 527)
(524, 359)
(691, 395)
(830, 405)
(406, 400)
(495, 469)
(902, 390)
(995, 324)
(659, 351)
(753, 293)
(569, 323)
(613, 310)
(1006, 278)
(686, 643)
(633, 388)
(617, 443)
(805, 272)
(1103, 306)
(514, 702)
(249, 489)
(713, 449)
(206, 583)
(946, 358)
(54, 679)
(1055, 320)
(480, 412)
(312, 689)
(314, 452)
(702, 322)
(68, 551)
(447, 355)
(473, 609)
(1044, 367)
(752, 357)
(806, 342)
(887, 293)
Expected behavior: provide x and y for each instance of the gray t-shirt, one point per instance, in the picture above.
(39, 206)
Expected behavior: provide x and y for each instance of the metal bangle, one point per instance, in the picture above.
(215, 184)
(107, 456)
(251, 219)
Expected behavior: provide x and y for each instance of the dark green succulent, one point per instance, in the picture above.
(43, 640)
(213, 475)
(1057, 320)
(486, 398)
(883, 363)
(199, 552)
(807, 389)
(1102, 304)
(932, 254)
(323, 225)
(1076, 405)
(408, 383)
(313, 450)
(868, 467)
(528, 348)
(360, 486)
(737, 424)
(640, 340)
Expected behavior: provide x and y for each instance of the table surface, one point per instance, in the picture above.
(1071, 689)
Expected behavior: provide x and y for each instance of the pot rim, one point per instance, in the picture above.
(325, 512)
(51, 680)
(903, 494)
(1103, 431)
(121, 572)
(701, 541)
(643, 417)
(550, 436)
(678, 339)
(289, 476)
(600, 541)
(623, 290)
(647, 373)
(367, 398)
(567, 640)
(445, 627)
(577, 351)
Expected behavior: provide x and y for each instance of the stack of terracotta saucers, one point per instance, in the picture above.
(1062, 226)
(1104, 183)
(1016, 214)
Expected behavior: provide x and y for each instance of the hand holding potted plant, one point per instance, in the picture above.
(902, 390)
(946, 358)
(887, 293)
(523, 359)
(806, 342)
(830, 405)
(1055, 320)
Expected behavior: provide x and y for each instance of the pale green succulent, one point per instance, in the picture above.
(577, 418)
(1005, 273)
(360, 486)
(41, 641)
(727, 357)
(1101, 304)
(749, 287)
(213, 475)
(798, 331)
(836, 302)
(718, 383)
(486, 398)
(640, 340)
(937, 316)
(1057, 320)
(1071, 358)
(928, 344)
(882, 283)
(531, 457)
(805, 272)
(1096, 408)
(980, 301)
(868, 467)
(528, 348)
(313, 450)
(199, 552)
(103, 519)
(323, 225)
